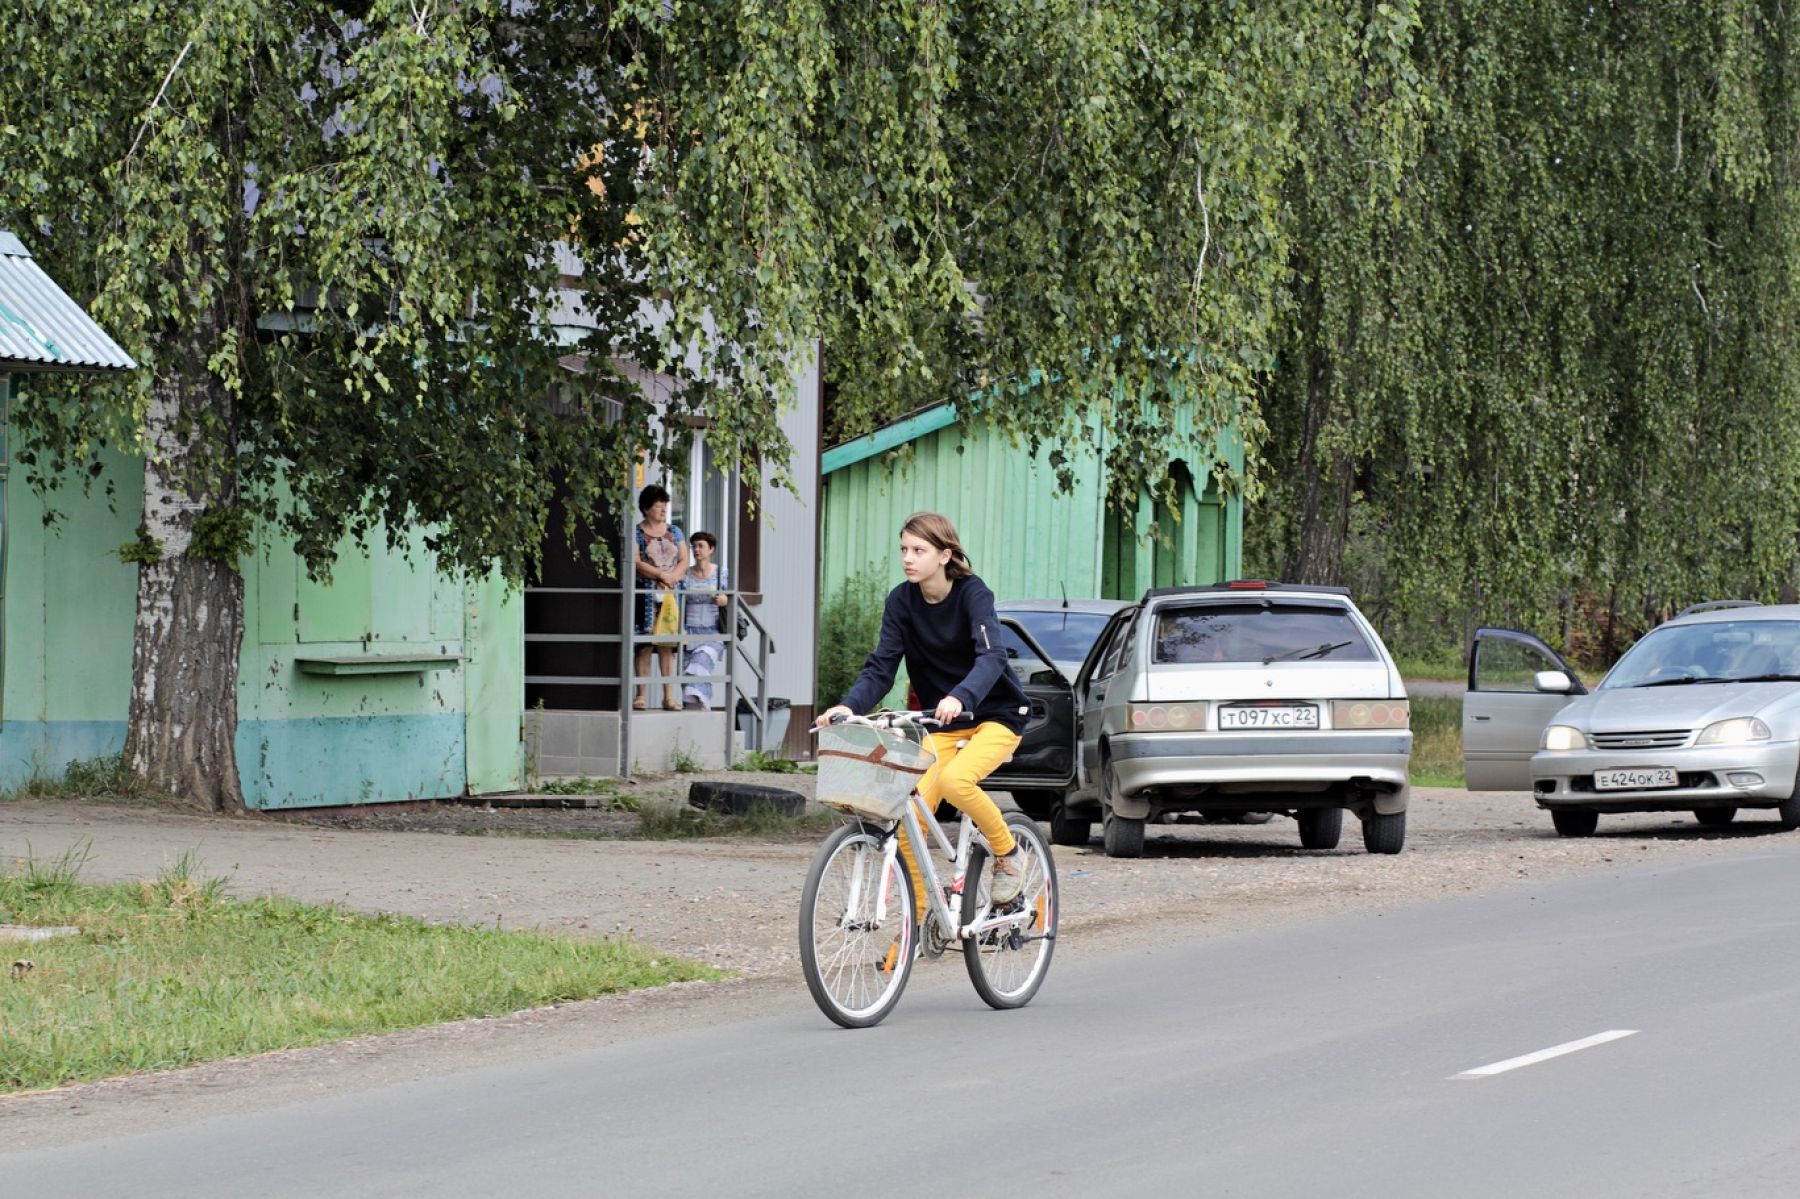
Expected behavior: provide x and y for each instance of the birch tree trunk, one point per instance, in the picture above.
(190, 609)
(1327, 477)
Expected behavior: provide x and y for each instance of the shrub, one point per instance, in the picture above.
(849, 623)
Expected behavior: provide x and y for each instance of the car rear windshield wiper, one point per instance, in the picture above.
(1770, 678)
(1317, 651)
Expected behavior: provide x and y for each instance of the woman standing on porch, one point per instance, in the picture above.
(662, 557)
(703, 602)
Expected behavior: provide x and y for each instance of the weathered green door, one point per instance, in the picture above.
(5, 386)
(1194, 547)
(494, 683)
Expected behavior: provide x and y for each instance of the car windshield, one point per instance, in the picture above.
(1065, 636)
(1263, 633)
(1711, 652)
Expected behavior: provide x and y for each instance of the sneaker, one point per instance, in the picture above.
(1009, 878)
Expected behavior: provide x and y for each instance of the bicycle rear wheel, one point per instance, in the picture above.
(855, 967)
(1008, 964)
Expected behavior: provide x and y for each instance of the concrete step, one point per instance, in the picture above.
(587, 743)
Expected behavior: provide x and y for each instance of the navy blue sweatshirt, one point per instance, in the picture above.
(952, 647)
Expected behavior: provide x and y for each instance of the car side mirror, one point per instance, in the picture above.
(1553, 681)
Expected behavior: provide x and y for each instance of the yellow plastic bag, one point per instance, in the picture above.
(668, 617)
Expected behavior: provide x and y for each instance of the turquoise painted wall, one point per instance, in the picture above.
(1027, 539)
(303, 739)
(69, 607)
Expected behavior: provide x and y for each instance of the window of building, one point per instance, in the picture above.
(702, 499)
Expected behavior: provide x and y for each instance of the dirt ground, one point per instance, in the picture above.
(733, 902)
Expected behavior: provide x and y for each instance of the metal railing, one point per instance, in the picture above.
(737, 660)
(740, 661)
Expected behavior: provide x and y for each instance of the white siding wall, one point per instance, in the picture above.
(790, 549)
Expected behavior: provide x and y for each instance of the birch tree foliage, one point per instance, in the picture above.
(1560, 371)
(341, 224)
(1071, 210)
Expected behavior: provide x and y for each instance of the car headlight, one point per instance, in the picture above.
(1563, 736)
(1735, 731)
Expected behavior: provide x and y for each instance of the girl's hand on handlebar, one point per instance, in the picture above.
(826, 716)
(948, 709)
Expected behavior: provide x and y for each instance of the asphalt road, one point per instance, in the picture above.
(1334, 1057)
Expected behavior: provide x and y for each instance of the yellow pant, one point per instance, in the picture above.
(957, 777)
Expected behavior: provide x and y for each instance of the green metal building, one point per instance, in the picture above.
(393, 682)
(1028, 540)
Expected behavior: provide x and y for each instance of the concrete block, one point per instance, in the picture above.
(559, 734)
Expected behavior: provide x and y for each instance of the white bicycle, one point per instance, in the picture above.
(859, 932)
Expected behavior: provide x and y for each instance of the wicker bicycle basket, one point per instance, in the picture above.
(868, 771)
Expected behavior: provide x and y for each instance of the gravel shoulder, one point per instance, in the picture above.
(732, 902)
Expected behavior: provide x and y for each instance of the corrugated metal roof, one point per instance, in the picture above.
(41, 328)
(910, 427)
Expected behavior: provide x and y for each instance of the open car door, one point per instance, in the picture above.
(1043, 766)
(1513, 693)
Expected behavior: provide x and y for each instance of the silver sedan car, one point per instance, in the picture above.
(1701, 715)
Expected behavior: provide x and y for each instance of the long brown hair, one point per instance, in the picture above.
(937, 529)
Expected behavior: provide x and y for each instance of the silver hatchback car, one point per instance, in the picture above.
(1701, 715)
(1235, 698)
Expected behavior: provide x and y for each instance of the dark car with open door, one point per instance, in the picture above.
(1042, 768)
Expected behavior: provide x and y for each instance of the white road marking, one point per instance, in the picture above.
(1544, 1055)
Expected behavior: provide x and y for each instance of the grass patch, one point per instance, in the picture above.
(682, 761)
(607, 789)
(171, 971)
(673, 824)
(768, 763)
(1448, 662)
(1437, 743)
(105, 777)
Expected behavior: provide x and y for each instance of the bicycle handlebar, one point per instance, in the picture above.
(888, 720)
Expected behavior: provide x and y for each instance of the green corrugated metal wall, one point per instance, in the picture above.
(66, 633)
(1027, 539)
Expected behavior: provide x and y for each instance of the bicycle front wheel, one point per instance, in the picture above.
(855, 965)
(1007, 964)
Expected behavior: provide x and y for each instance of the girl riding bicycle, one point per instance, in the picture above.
(941, 621)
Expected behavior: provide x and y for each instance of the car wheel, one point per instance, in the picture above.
(1715, 816)
(1384, 833)
(1123, 836)
(1035, 803)
(1066, 829)
(1789, 811)
(1575, 822)
(1320, 828)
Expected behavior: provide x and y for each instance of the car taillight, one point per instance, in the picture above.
(1167, 718)
(1370, 714)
